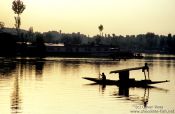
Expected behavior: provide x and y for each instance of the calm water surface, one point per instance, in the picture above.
(55, 86)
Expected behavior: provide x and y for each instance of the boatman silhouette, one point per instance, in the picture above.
(103, 76)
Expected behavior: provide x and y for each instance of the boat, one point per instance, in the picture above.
(131, 82)
(124, 79)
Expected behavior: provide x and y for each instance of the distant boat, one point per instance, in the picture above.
(124, 79)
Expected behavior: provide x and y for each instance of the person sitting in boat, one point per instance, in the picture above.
(103, 76)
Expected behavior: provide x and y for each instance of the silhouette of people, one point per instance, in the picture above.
(103, 77)
(146, 68)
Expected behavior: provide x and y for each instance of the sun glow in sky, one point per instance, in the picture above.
(117, 16)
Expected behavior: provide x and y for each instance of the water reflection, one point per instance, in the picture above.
(7, 66)
(16, 100)
(32, 65)
(39, 65)
(12, 69)
(68, 65)
(37, 86)
(124, 93)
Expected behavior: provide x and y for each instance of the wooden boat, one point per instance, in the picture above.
(124, 79)
(130, 83)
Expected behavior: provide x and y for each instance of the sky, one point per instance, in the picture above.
(121, 17)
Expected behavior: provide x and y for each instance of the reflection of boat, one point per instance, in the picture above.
(125, 93)
(124, 79)
(142, 100)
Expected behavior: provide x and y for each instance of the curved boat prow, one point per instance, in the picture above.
(100, 81)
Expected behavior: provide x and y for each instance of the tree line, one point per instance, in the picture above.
(149, 42)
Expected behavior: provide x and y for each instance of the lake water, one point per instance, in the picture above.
(55, 86)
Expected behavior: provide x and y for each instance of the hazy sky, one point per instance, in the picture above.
(117, 16)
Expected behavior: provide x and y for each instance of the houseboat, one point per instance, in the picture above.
(106, 51)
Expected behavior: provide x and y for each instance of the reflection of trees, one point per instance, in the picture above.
(7, 66)
(16, 97)
(16, 69)
(27, 66)
(75, 65)
(66, 65)
(39, 68)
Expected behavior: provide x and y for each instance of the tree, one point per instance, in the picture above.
(101, 29)
(40, 46)
(2, 25)
(98, 39)
(30, 34)
(31, 30)
(7, 44)
(18, 7)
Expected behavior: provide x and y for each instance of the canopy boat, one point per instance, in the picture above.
(130, 83)
(124, 79)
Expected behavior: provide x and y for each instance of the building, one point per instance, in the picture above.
(81, 50)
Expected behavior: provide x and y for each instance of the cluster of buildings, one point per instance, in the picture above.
(84, 50)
